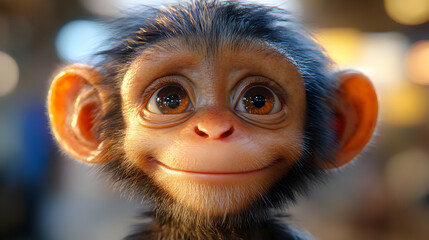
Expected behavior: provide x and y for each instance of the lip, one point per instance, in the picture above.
(218, 177)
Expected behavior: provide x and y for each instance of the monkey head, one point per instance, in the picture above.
(213, 125)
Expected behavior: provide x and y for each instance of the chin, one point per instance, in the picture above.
(218, 194)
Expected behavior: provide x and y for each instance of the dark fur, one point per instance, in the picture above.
(206, 24)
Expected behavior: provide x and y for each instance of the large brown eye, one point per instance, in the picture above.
(258, 100)
(170, 99)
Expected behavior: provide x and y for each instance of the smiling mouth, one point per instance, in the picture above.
(212, 174)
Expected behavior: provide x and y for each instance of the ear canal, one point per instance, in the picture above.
(74, 105)
(356, 116)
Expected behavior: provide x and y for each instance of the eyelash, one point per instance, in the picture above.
(260, 81)
(159, 83)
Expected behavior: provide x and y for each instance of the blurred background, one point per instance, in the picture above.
(382, 195)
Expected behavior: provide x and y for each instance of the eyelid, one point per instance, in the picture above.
(252, 81)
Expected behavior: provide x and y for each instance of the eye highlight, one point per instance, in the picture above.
(258, 100)
(169, 99)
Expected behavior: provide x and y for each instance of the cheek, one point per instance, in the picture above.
(141, 143)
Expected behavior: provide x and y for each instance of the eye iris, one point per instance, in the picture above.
(258, 100)
(172, 100)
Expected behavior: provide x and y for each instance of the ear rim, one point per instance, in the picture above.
(69, 82)
(357, 93)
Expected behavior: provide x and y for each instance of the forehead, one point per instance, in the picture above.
(177, 56)
(210, 51)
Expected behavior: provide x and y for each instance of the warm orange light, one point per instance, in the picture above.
(418, 63)
(408, 12)
(404, 105)
(343, 45)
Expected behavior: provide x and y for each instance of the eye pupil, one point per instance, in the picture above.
(172, 101)
(258, 101)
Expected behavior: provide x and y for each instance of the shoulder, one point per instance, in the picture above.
(277, 230)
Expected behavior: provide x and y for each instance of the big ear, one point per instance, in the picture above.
(74, 104)
(356, 109)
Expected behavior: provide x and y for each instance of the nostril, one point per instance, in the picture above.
(227, 133)
(200, 133)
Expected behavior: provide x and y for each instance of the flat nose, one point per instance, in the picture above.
(214, 130)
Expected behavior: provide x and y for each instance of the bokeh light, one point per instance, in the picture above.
(343, 45)
(78, 40)
(379, 55)
(9, 74)
(382, 59)
(418, 63)
(404, 105)
(408, 12)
